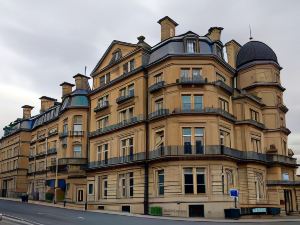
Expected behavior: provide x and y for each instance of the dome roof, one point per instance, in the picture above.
(255, 51)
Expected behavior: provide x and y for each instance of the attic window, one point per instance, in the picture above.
(191, 44)
(116, 55)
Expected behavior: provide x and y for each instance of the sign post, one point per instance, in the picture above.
(234, 193)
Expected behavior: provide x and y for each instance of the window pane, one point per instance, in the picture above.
(198, 99)
(186, 102)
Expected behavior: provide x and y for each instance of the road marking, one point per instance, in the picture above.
(80, 217)
(20, 220)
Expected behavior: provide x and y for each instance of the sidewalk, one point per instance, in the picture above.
(258, 220)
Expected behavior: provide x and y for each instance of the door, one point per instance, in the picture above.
(196, 210)
(80, 195)
(288, 201)
(4, 190)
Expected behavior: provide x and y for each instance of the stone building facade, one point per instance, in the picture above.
(176, 126)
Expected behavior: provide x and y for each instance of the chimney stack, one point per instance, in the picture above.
(81, 82)
(66, 88)
(214, 33)
(168, 28)
(27, 111)
(46, 103)
(232, 49)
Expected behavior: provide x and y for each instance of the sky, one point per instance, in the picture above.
(43, 43)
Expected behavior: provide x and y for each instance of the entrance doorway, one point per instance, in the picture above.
(4, 190)
(288, 201)
(196, 210)
(80, 195)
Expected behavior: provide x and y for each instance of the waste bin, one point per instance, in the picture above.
(232, 213)
(24, 198)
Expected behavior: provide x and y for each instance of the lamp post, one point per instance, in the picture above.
(56, 181)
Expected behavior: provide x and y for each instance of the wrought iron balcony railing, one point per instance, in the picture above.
(156, 87)
(282, 182)
(118, 160)
(192, 80)
(218, 150)
(206, 110)
(113, 127)
(51, 151)
(125, 98)
(158, 113)
(103, 106)
(72, 161)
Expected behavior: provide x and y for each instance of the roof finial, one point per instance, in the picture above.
(250, 38)
(85, 70)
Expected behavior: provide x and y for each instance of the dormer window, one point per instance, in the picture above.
(191, 46)
(116, 55)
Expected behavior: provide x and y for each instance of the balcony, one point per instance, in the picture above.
(252, 122)
(72, 161)
(156, 87)
(52, 151)
(125, 123)
(283, 107)
(224, 86)
(63, 134)
(134, 158)
(206, 110)
(158, 113)
(77, 133)
(282, 182)
(218, 151)
(125, 98)
(101, 107)
(40, 154)
(192, 80)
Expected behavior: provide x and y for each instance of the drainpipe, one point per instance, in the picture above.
(146, 165)
(45, 187)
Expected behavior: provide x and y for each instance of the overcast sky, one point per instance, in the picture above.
(43, 43)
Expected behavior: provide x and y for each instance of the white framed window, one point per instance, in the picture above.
(77, 153)
(161, 182)
(102, 122)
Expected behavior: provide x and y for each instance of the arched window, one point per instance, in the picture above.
(259, 186)
(228, 180)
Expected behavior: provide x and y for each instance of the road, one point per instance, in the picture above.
(47, 215)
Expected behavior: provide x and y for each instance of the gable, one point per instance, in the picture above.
(106, 59)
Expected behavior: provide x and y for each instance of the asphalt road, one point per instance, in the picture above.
(46, 215)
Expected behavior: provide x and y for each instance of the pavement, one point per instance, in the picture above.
(41, 213)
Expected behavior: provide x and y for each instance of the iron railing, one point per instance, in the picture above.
(157, 86)
(158, 113)
(125, 98)
(282, 182)
(206, 110)
(51, 151)
(113, 127)
(99, 107)
(192, 80)
(218, 150)
(133, 158)
(72, 161)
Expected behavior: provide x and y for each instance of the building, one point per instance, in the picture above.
(14, 149)
(56, 147)
(177, 126)
(172, 126)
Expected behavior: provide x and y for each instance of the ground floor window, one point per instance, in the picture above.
(194, 180)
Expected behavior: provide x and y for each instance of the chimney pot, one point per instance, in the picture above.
(214, 33)
(27, 111)
(66, 88)
(46, 103)
(81, 81)
(168, 27)
(232, 49)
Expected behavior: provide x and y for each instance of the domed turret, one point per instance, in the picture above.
(255, 52)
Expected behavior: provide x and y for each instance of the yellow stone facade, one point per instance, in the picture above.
(172, 127)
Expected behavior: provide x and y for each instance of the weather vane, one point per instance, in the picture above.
(250, 38)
